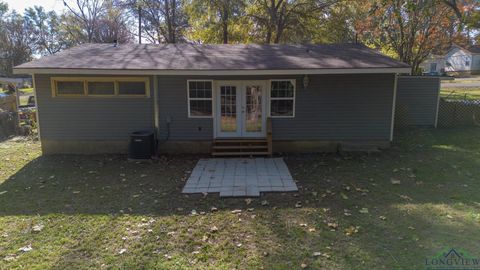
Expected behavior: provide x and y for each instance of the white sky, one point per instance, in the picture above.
(21, 5)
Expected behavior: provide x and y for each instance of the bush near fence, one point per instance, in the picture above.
(458, 112)
(8, 124)
(8, 117)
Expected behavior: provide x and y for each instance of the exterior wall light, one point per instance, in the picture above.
(306, 81)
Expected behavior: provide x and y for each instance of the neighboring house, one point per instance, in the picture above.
(316, 97)
(18, 82)
(457, 61)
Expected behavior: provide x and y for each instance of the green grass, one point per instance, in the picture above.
(26, 91)
(93, 207)
(461, 93)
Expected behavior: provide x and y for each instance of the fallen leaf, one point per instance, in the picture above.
(317, 254)
(10, 257)
(26, 248)
(405, 197)
(37, 228)
(121, 251)
(332, 225)
(303, 265)
(351, 230)
(395, 181)
(363, 211)
(214, 229)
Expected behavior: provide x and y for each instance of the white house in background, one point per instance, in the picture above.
(457, 61)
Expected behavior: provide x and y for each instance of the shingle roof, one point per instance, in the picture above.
(474, 49)
(215, 57)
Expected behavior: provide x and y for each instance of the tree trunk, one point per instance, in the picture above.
(139, 24)
(268, 38)
(225, 23)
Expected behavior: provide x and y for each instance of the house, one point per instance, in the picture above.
(314, 97)
(17, 82)
(457, 61)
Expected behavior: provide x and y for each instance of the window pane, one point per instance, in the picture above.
(200, 89)
(281, 108)
(70, 88)
(101, 88)
(282, 89)
(131, 88)
(200, 107)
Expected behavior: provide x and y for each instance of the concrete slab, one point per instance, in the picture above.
(240, 177)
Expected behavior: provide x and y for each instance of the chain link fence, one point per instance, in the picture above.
(458, 111)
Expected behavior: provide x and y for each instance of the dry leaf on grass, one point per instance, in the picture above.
(395, 181)
(351, 230)
(363, 211)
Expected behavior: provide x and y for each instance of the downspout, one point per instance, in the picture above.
(393, 107)
(155, 111)
(438, 101)
(36, 106)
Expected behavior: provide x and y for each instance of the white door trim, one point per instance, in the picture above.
(217, 116)
(241, 104)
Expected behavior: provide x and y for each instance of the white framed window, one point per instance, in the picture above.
(100, 86)
(200, 98)
(282, 98)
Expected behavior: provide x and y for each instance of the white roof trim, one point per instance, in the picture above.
(207, 72)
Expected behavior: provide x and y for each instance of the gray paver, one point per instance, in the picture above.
(239, 177)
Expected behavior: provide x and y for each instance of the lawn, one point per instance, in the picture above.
(461, 93)
(387, 210)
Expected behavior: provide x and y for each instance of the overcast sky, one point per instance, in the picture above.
(21, 5)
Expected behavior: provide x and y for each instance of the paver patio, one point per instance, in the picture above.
(240, 177)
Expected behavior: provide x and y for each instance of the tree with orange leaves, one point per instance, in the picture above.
(409, 29)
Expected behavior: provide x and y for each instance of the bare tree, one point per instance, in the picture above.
(164, 20)
(96, 21)
(278, 15)
(88, 13)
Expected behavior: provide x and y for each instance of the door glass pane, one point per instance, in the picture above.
(253, 113)
(228, 108)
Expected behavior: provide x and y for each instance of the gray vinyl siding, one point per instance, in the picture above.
(90, 118)
(354, 107)
(417, 99)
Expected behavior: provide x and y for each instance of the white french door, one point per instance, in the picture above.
(240, 109)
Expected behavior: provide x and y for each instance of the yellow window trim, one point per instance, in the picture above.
(86, 80)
